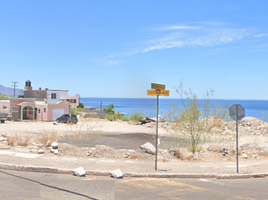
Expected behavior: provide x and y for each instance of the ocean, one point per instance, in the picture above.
(147, 106)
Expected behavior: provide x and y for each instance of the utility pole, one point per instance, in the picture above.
(14, 85)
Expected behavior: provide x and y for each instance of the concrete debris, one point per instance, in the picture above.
(54, 145)
(117, 174)
(149, 148)
(79, 172)
(244, 155)
(40, 151)
(3, 138)
(56, 152)
(33, 150)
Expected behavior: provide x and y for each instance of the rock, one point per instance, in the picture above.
(117, 174)
(54, 145)
(79, 172)
(52, 150)
(244, 155)
(2, 139)
(149, 148)
(56, 152)
(40, 151)
(48, 143)
(33, 150)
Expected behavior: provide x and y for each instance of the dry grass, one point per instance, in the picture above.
(20, 140)
(81, 131)
(45, 137)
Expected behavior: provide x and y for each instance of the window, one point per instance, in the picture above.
(4, 107)
(45, 110)
(53, 95)
(38, 110)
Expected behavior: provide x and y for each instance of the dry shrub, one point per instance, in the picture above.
(134, 156)
(178, 154)
(24, 140)
(81, 131)
(197, 149)
(216, 149)
(87, 115)
(11, 141)
(181, 153)
(21, 140)
(44, 137)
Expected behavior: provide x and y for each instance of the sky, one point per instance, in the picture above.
(117, 48)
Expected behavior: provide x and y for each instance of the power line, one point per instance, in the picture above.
(14, 85)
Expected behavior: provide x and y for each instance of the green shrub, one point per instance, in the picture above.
(73, 110)
(80, 105)
(137, 116)
(109, 109)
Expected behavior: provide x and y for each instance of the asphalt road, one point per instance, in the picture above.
(27, 185)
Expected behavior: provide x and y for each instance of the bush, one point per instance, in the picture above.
(196, 120)
(109, 109)
(137, 116)
(80, 105)
(73, 110)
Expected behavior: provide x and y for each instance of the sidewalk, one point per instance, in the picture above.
(132, 168)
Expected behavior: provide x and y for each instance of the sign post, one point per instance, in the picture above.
(157, 90)
(237, 112)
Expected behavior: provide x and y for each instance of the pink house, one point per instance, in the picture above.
(41, 105)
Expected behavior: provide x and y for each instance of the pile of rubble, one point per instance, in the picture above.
(248, 126)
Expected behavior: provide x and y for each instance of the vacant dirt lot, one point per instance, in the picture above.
(88, 137)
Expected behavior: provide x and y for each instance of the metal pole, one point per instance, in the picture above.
(14, 85)
(237, 165)
(156, 137)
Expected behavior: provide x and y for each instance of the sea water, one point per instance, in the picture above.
(147, 106)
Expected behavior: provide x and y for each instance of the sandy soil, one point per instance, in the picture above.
(84, 125)
(87, 137)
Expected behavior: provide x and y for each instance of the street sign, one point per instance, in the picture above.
(158, 86)
(237, 112)
(158, 92)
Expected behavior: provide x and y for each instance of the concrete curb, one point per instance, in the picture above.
(29, 168)
(43, 169)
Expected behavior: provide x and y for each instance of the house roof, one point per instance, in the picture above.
(40, 102)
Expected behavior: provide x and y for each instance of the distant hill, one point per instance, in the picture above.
(9, 91)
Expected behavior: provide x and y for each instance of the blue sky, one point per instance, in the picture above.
(105, 48)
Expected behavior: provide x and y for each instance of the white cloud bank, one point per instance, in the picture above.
(203, 34)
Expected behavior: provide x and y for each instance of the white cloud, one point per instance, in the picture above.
(261, 35)
(174, 27)
(202, 34)
(204, 37)
(107, 62)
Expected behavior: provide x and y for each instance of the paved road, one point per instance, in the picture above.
(26, 185)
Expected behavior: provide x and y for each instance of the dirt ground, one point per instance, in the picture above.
(122, 140)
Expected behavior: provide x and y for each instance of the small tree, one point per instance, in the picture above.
(80, 105)
(109, 109)
(196, 120)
